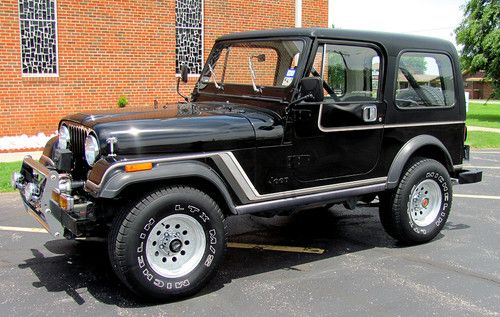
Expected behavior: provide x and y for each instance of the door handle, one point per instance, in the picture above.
(370, 113)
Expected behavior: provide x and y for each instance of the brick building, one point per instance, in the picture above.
(64, 56)
(477, 85)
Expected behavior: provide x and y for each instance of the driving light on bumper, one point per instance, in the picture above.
(91, 149)
(64, 137)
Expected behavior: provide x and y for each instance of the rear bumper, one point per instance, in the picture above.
(467, 176)
(40, 190)
(470, 176)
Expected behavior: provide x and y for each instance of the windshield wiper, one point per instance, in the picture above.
(212, 75)
(252, 71)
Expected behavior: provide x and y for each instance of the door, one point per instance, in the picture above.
(339, 139)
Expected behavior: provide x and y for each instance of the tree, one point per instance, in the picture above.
(479, 33)
(415, 64)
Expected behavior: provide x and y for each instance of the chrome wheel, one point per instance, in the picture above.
(425, 202)
(175, 245)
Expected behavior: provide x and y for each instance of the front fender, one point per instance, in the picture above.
(111, 187)
(47, 157)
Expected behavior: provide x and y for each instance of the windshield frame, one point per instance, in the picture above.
(246, 91)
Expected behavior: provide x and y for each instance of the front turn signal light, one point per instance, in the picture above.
(138, 167)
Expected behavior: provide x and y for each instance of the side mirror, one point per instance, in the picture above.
(184, 73)
(312, 86)
(184, 77)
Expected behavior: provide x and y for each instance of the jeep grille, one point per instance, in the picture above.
(77, 135)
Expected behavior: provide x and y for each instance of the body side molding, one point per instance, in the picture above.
(230, 176)
(406, 152)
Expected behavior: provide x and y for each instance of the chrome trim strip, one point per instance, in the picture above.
(421, 124)
(231, 164)
(379, 126)
(253, 195)
(154, 160)
(349, 128)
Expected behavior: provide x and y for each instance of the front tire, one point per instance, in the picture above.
(416, 211)
(169, 243)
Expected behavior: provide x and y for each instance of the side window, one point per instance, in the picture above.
(424, 80)
(331, 69)
(351, 73)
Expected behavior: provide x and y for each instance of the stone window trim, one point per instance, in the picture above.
(200, 28)
(55, 74)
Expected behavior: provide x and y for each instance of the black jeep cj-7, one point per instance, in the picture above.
(279, 120)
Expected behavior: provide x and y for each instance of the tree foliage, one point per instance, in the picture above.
(336, 71)
(479, 33)
(415, 64)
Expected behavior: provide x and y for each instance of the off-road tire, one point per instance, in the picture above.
(402, 212)
(135, 237)
(433, 95)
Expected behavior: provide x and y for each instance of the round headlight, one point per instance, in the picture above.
(64, 137)
(91, 149)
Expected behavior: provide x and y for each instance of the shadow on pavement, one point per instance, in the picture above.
(83, 266)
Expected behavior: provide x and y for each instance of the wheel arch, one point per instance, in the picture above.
(193, 173)
(423, 145)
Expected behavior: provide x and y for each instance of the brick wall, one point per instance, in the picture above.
(109, 49)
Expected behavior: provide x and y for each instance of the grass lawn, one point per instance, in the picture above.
(479, 139)
(6, 170)
(481, 115)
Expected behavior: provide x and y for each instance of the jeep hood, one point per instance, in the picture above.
(183, 127)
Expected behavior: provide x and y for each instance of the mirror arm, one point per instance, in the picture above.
(179, 92)
(296, 101)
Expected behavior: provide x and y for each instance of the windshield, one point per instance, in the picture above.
(255, 64)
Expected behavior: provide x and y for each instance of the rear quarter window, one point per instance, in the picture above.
(424, 80)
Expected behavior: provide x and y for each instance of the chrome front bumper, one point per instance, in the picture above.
(36, 184)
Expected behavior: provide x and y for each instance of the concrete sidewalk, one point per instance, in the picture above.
(484, 129)
(485, 101)
(18, 156)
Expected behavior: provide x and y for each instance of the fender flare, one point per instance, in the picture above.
(112, 187)
(406, 152)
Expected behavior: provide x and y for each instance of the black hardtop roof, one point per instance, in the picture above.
(392, 42)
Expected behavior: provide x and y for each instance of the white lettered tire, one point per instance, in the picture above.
(169, 244)
(417, 210)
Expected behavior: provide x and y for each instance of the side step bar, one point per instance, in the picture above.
(309, 200)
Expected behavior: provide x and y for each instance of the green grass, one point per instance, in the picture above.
(6, 170)
(479, 139)
(481, 115)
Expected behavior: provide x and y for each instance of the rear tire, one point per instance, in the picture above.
(417, 209)
(168, 244)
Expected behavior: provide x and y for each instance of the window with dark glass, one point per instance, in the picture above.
(189, 35)
(38, 31)
(424, 80)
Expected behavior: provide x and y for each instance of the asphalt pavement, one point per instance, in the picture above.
(363, 272)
